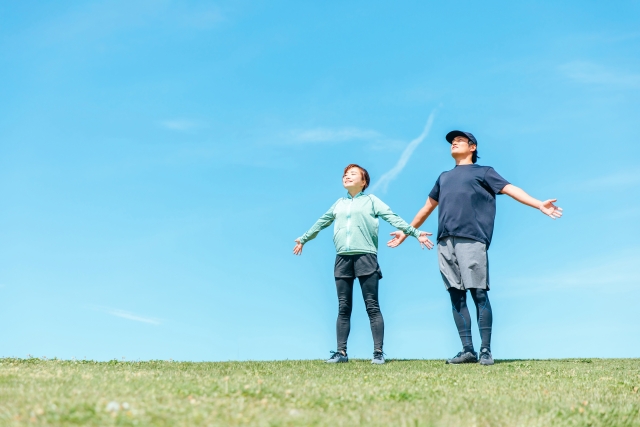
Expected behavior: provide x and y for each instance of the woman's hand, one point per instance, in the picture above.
(424, 240)
(398, 238)
(297, 249)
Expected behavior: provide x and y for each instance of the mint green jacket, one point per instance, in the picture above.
(356, 224)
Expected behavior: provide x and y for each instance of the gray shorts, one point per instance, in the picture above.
(464, 263)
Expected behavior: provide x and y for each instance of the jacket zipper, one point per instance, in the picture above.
(349, 225)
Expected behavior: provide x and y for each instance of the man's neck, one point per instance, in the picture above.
(464, 161)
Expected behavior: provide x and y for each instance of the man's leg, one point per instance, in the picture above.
(473, 263)
(484, 315)
(344, 287)
(450, 271)
(474, 270)
(369, 285)
(461, 317)
(485, 320)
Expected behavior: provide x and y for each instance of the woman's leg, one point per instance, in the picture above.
(461, 317)
(344, 286)
(369, 285)
(484, 316)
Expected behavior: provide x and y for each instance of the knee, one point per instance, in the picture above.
(344, 308)
(458, 300)
(481, 297)
(372, 306)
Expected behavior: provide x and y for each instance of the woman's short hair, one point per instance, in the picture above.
(363, 172)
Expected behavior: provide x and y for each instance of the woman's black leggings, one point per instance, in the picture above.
(369, 286)
(463, 319)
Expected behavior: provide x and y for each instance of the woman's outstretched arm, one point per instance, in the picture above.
(385, 212)
(323, 222)
(419, 219)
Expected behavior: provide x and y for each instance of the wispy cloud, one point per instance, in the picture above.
(607, 36)
(603, 272)
(202, 18)
(383, 182)
(618, 178)
(591, 73)
(131, 316)
(334, 135)
(180, 124)
(622, 214)
(613, 181)
(100, 19)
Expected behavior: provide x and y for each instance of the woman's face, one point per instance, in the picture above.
(352, 180)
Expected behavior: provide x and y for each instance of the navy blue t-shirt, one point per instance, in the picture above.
(466, 197)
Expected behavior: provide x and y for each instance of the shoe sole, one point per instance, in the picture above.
(451, 362)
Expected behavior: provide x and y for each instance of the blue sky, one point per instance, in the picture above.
(158, 158)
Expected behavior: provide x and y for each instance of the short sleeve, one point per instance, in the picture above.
(495, 181)
(435, 192)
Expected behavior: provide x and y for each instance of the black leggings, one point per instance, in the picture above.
(462, 318)
(369, 286)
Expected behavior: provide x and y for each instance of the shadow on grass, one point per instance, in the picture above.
(444, 360)
(497, 361)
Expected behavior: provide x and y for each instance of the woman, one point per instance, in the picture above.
(356, 239)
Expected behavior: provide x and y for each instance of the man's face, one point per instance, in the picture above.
(460, 147)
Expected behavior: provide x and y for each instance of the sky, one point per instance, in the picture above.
(158, 159)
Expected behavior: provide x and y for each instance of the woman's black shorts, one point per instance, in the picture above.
(348, 266)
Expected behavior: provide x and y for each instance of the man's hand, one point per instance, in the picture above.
(297, 249)
(424, 240)
(548, 208)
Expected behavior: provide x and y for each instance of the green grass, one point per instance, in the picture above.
(576, 392)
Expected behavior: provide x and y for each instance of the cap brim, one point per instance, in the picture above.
(451, 135)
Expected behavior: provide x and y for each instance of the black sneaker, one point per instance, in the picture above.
(485, 357)
(337, 357)
(378, 358)
(463, 357)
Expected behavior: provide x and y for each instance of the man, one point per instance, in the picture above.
(466, 196)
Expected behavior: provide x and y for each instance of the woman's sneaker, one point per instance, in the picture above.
(378, 358)
(485, 357)
(337, 357)
(463, 357)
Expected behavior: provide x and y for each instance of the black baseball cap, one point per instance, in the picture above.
(451, 135)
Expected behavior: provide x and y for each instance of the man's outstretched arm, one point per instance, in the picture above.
(419, 219)
(547, 207)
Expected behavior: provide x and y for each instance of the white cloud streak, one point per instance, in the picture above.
(617, 179)
(595, 74)
(179, 124)
(131, 316)
(622, 214)
(102, 18)
(383, 182)
(614, 181)
(609, 274)
(334, 135)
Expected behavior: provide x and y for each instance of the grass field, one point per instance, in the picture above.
(577, 392)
